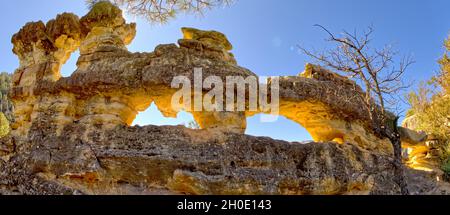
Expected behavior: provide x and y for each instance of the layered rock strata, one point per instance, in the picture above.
(73, 135)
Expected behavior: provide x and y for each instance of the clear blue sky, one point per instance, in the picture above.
(264, 34)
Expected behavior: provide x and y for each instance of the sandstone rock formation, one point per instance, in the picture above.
(423, 151)
(73, 135)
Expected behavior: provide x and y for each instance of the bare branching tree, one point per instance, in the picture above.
(161, 11)
(382, 82)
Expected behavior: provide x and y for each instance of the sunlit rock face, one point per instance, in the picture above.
(330, 108)
(211, 42)
(105, 29)
(42, 50)
(73, 136)
(422, 151)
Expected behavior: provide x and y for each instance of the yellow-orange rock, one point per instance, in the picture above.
(211, 42)
(73, 134)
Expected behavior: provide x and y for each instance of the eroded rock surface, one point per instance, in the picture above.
(422, 151)
(181, 160)
(73, 136)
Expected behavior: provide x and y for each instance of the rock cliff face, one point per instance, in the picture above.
(73, 135)
(423, 151)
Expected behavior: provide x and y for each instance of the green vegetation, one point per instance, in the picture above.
(4, 125)
(430, 107)
(6, 105)
(160, 11)
(431, 112)
(446, 169)
(103, 9)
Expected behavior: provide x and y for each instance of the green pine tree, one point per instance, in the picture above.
(4, 125)
(6, 105)
(430, 107)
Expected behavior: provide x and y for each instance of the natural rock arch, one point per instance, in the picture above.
(73, 133)
(125, 83)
